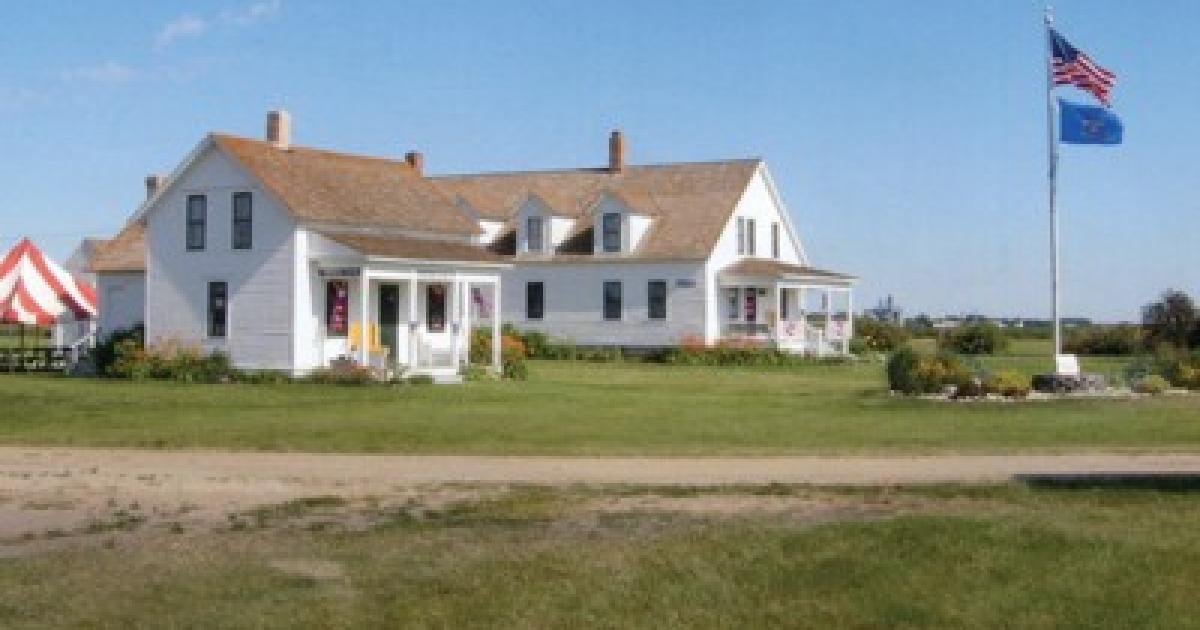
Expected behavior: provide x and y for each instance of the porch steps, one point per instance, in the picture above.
(447, 379)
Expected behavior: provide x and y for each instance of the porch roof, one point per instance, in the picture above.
(410, 248)
(772, 270)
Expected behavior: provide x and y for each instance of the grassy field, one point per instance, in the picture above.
(580, 408)
(1005, 557)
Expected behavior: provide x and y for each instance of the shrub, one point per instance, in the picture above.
(901, 370)
(976, 338)
(169, 360)
(909, 372)
(1122, 339)
(513, 352)
(347, 375)
(1008, 383)
(473, 372)
(512, 359)
(1172, 364)
(736, 353)
(419, 379)
(1153, 384)
(111, 348)
(878, 336)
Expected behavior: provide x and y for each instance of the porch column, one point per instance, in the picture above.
(496, 363)
(465, 336)
(413, 329)
(828, 318)
(775, 318)
(456, 313)
(364, 311)
(849, 320)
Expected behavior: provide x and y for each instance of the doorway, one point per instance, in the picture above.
(389, 319)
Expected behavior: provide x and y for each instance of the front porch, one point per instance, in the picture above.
(794, 308)
(413, 322)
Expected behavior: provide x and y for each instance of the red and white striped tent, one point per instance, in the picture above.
(36, 290)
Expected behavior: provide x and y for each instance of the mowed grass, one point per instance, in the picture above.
(581, 408)
(970, 558)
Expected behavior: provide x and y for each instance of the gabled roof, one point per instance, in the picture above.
(334, 188)
(124, 252)
(409, 248)
(691, 202)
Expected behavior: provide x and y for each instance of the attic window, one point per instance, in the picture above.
(534, 235)
(610, 225)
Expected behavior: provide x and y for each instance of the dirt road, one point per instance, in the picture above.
(54, 496)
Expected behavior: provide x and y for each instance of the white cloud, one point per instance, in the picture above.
(180, 27)
(257, 11)
(108, 73)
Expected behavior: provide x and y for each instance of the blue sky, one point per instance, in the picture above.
(908, 138)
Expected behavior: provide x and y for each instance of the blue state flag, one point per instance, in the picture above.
(1088, 124)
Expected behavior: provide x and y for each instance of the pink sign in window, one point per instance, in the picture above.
(337, 308)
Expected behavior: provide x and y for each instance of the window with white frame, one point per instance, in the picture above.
(535, 235)
(775, 240)
(656, 299)
(243, 220)
(612, 300)
(535, 300)
(218, 309)
(197, 222)
(610, 227)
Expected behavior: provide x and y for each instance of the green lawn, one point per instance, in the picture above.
(940, 558)
(580, 408)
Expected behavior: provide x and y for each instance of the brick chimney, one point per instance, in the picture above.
(616, 151)
(153, 183)
(416, 160)
(279, 128)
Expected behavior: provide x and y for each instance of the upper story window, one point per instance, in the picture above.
(745, 236)
(610, 227)
(775, 240)
(197, 221)
(535, 300)
(534, 234)
(612, 300)
(243, 220)
(218, 309)
(656, 299)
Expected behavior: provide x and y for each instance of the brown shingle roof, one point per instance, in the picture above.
(414, 248)
(344, 189)
(690, 202)
(124, 252)
(775, 268)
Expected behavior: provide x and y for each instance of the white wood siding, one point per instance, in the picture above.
(574, 303)
(122, 298)
(260, 315)
(758, 202)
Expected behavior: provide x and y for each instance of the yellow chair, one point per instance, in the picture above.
(355, 336)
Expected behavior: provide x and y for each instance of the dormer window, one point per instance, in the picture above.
(610, 225)
(535, 235)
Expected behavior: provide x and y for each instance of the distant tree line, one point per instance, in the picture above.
(1171, 323)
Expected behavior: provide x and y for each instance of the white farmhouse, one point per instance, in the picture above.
(293, 258)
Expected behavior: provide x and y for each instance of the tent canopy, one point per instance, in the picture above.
(36, 290)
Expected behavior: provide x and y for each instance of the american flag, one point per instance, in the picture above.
(1072, 66)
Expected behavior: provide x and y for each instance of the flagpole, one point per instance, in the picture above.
(1052, 158)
